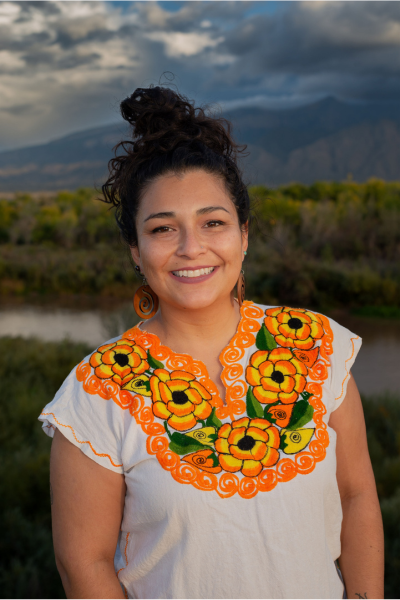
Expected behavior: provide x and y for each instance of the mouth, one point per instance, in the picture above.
(192, 274)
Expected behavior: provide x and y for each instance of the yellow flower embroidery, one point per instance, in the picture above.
(247, 445)
(179, 398)
(294, 327)
(277, 375)
(119, 361)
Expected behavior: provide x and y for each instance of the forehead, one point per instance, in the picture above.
(184, 193)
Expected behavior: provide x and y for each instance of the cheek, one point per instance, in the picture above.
(154, 253)
(230, 244)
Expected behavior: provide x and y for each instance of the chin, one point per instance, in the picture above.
(196, 301)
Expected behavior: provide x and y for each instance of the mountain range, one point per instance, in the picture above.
(326, 140)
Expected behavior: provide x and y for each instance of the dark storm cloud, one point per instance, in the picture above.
(81, 57)
(313, 38)
(26, 8)
(17, 109)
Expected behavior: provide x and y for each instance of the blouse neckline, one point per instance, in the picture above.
(232, 375)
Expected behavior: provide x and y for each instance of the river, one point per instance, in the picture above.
(376, 369)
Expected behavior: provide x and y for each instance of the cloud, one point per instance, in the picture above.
(66, 65)
(178, 44)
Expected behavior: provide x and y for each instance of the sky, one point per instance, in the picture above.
(65, 66)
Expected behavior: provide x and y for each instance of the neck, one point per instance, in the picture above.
(215, 324)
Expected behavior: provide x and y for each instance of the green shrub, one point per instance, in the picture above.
(323, 245)
(30, 373)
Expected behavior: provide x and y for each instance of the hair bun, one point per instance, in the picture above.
(155, 109)
(163, 119)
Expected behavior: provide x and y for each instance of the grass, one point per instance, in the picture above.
(31, 372)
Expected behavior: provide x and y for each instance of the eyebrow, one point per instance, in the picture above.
(202, 211)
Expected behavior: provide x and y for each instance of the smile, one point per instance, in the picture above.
(196, 273)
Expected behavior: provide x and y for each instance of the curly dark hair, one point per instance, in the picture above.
(169, 135)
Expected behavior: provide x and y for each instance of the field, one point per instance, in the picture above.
(322, 246)
(30, 373)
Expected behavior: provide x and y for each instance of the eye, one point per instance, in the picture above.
(213, 223)
(162, 229)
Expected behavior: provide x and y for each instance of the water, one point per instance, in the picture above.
(90, 324)
(376, 369)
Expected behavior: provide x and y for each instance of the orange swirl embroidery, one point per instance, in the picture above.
(225, 484)
(232, 375)
(80, 441)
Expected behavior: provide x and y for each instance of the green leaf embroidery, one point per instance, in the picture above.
(253, 407)
(302, 414)
(283, 444)
(154, 364)
(183, 444)
(305, 395)
(213, 421)
(265, 340)
(181, 450)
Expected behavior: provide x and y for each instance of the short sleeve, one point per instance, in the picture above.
(345, 346)
(90, 422)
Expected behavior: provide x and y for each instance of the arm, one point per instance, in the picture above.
(87, 507)
(361, 560)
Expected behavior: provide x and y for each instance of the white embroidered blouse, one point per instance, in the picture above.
(223, 501)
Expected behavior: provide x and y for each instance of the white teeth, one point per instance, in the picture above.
(196, 273)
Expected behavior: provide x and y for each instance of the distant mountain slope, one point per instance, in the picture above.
(324, 140)
(76, 160)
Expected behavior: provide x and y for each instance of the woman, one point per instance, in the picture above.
(227, 441)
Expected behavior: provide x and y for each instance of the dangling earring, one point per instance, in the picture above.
(145, 301)
(240, 288)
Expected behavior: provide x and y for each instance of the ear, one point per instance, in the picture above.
(245, 236)
(135, 255)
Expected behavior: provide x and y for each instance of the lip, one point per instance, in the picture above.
(198, 279)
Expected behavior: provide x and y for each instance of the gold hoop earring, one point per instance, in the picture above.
(145, 301)
(240, 288)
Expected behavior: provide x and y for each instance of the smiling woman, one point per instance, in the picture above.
(217, 416)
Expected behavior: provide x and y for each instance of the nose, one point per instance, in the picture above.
(189, 244)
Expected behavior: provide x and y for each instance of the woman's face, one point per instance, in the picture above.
(190, 244)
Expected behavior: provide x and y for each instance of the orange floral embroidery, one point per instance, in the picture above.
(119, 361)
(199, 468)
(247, 446)
(277, 375)
(179, 398)
(308, 357)
(294, 327)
